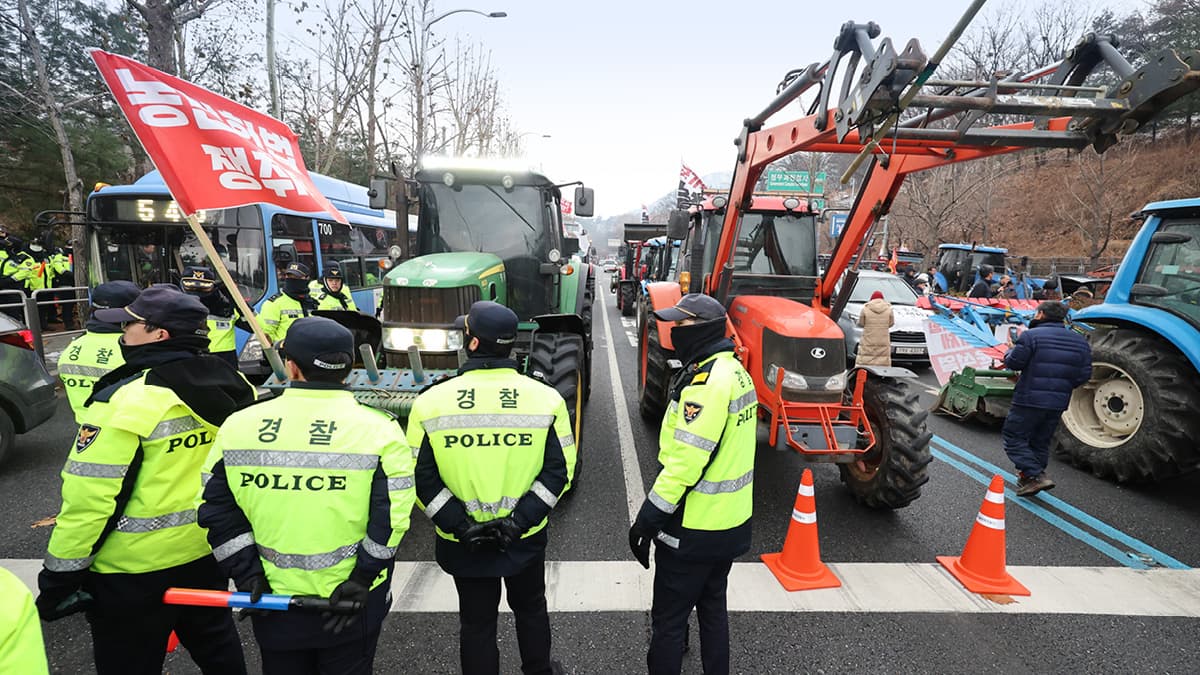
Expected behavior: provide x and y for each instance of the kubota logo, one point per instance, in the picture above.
(817, 353)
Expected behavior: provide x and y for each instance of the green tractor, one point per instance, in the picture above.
(490, 232)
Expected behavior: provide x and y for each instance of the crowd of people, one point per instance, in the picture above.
(179, 477)
(33, 266)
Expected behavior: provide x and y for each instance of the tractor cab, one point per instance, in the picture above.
(958, 264)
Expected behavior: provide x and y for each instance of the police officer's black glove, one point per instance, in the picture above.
(507, 530)
(640, 537)
(61, 594)
(256, 585)
(352, 596)
(480, 537)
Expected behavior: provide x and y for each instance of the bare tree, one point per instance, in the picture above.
(164, 24)
(427, 79)
(1091, 196)
(473, 99)
(384, 22)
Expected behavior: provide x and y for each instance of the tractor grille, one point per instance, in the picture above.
(816, 359)
(410, 306)
(908, 337)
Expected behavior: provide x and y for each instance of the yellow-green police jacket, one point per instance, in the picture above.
(311, 484)
(21, 647)
(703, 498)
(327, 300)
(222, 336)
(141, 443)
(492, 443)
(279, 311)
(86, 359)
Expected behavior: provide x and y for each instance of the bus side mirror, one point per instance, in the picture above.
(379, 193)
(677, 224)
(584, 202)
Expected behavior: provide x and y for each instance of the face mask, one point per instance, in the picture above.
(36, 248)
(295, 287)
(689, 340)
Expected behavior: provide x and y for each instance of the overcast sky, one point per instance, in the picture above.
(626, 89)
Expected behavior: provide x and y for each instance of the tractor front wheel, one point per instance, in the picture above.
(653, 376)
(890, 474)
(1138, 417)
(558, 360)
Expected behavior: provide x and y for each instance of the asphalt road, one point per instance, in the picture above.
(1101, 525)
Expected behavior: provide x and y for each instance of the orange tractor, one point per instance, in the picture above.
(761, 263)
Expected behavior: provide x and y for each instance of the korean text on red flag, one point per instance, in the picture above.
(213, 153)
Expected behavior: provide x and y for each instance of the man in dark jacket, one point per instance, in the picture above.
(1053, 360)
(983, 287)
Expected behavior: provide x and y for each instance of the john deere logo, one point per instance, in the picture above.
(691, 411)
(817, 353)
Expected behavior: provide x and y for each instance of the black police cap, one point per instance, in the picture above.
(319, 342)
(693, 306)
(489, 321)
(197, 278)
(165, 306)
(296, 270)
(332, 270)
(114, 294)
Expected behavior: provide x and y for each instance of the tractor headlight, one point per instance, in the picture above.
(837, 382)
(790, 380)
(425, 339)
(252, 352)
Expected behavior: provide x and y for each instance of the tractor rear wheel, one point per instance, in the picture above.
(628, 299)
(557, 359)
(1138, 418)
(890, 475)
(654, 379)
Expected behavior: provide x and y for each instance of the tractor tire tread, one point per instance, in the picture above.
(898, 480)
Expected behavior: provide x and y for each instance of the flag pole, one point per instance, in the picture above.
(243, 307)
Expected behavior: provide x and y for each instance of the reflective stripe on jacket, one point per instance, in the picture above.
(222, 335)
(131, 481)
(86, 359)
(703, 498)
(279, 311)
(312, 483)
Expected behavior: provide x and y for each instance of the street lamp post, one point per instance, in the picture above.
(419, 73)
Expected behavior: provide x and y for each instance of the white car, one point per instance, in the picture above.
(908, 333)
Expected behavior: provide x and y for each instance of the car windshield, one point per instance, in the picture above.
(778, 244)
(483, 218)
(895, 291)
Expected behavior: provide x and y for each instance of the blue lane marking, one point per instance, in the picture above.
(1096, 524)
(1048, 516)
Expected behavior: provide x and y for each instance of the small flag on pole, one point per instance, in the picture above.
(689, 183)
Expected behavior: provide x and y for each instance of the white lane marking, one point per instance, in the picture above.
(619, 586)
(629, 461)
(628, 322)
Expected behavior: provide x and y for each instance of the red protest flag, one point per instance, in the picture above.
(213, 153)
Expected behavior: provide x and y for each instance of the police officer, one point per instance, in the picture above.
(698, 512)
(98, 351)
(127, 528)
(21, 648)
(222, 313)
(15, 269)
(59, 270)
(310, 494)
(495, 453)
(294, 301)
(331, 291)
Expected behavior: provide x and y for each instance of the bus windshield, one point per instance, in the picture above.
(156, 248)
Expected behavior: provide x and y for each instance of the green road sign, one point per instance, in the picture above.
(795, 181)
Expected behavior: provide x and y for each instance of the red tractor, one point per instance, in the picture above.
(763, 266)
(626, 283)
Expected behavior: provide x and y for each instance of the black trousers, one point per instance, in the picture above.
(355, 657)
(478, 608)
(131, 625)
(680, 585)
(1027, 434)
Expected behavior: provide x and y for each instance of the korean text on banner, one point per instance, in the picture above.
(213, 153)
(949, 353)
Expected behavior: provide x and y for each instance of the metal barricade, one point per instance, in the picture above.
(30, 307)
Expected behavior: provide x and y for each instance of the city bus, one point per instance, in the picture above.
(137, 233)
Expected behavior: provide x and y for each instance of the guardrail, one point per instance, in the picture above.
(29, 307)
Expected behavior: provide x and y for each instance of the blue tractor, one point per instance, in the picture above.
(1138, 418)
(958, 269)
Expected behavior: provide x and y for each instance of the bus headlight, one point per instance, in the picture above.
(425, 339)
(252, 352)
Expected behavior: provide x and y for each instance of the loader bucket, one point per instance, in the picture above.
(983, 395)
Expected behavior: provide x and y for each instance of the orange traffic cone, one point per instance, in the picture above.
(172, 642)
(798, 567)
(981, 566)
